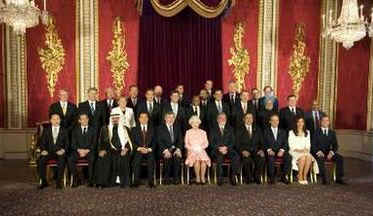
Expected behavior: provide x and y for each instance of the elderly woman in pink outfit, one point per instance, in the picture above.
(196, 142)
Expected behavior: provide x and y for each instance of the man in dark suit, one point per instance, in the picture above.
(288, 114)
(255, 96)
(264, 116)
(325, 147)
(158, 92)
(170, 144)
(66, 110)
(232, 97)
(95, 110)
(183, 99)
(53, 146)
(313, 118)
(153, 109)
(108, 103)
(215, 107)
(178, 110)
(144, 141)
(204, 96)
(196, 109)
(249, 144)
(222, 142)
(209, 86)
(133, 99)
(83, 145)
(276, 146)
(268, 95)
(241, 108)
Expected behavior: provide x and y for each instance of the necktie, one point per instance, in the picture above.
(84, 130)
(55, 134)
(172, 134)
(232, 99)
(275, 133)
(294, 111)
(143, 136)
(64, 108)
(150, 107)
(250, 132)
(325, 132)
(222, 130)
(195, 110)
(92, 108)
(219, 107)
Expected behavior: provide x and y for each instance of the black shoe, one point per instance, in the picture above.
(166, 182)
(176, 181)
(151, 185)
(271, 181)
(234, 181)
(220, 182)
(324, 181)
(59, 186)
(122, 186)
(90, 185)
(341, 182)
(135, 185)
(42, 186)
(257, 180)
(284, 180)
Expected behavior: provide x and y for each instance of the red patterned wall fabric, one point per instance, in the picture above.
(246, 12)
(108, 11)
(307, 12)
(38, 95)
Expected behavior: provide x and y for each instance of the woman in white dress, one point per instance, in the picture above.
(127, 117)
(299, 149)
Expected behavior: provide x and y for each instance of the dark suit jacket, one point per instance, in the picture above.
(96, 119)
(217, 139)
(202, 116)
(323, 143)
(227, 99)
(80, 141)
(154, 116)
(69, 120)
(310, 123)
(271, 143)
(105, 142)
(263, 118)
(287, 118)
(107, 109)
(238, 113)
(47, 144)
(137, 139)
(163, 101)
(212, 113)
(257, 107)
(245, 143)
(132, 105)
(164, 138)
(180, 117)
(262, 104)
(184, 101)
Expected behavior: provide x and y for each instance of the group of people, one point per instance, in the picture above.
(119, 134)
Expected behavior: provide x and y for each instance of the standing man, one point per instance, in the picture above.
(178, 110)
(313, 118)
(95, 110)
(152, 108)
(183, 99)
(209, 86)
(241, 108)
(288, 114)
(144, 141)
(158, 92)
(255, 97)
(133, 98)
(196, 109)
(216, 107)
(53, 146)
(268, 95)
(109, 103)
(170, 139)
(232, 97)
(66, 110)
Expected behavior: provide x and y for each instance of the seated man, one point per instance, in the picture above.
(169, 139)
(325, 147)
(222, 142)
(83, 145)
(276, 146)
(115, 148)
(53, 145)
(250, 146)
(143, 137)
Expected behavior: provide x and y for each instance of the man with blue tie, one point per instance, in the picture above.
(325, 147)
(95, 110)
(313, 118)
(276, 146)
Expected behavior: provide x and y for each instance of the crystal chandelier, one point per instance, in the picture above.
(350, 27)
(21, 14)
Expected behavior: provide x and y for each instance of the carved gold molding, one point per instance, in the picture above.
(240, 57)
(52, 56)
(299, 62)
(268, 43)
(118, 55)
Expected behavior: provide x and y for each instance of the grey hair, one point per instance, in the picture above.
(194, 118)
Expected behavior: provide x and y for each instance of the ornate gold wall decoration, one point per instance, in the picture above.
(299, 62)
(52, 56)
(240, 57)
(118, 55)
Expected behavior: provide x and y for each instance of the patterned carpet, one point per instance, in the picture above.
(18, 196)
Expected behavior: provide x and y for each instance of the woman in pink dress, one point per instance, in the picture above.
(196, 142)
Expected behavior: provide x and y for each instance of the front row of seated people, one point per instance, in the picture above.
(117, 151)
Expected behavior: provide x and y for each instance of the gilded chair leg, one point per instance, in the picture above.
(241, 178)
(160, 174)
(334, 173)
(291, 176)
(155, 175)
(65, 178)
(182, 173)
(215, 178)
(71, 180)
(187, 173)
(208, 175)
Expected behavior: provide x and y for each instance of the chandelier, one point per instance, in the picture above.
(351, 26)
(21, 14)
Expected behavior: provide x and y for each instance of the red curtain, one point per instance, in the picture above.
(2, 78)
(246, 12)
(108, 11)
(183, 49)
(38, 95)
(293, 12)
